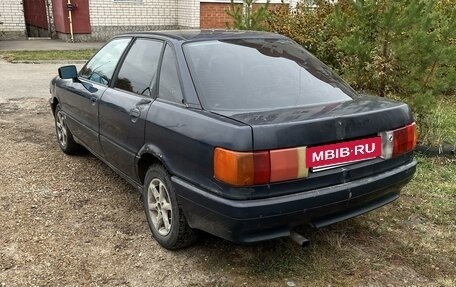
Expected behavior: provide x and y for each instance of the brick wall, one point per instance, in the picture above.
(111, 17)
(12, 23)
(133, 13)
(213, 14)
(188, 13)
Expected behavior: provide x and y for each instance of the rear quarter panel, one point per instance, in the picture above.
(184, 140)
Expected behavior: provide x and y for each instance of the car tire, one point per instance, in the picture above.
(64, 135)
(164, 215)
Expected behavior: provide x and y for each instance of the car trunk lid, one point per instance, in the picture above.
(315, 125)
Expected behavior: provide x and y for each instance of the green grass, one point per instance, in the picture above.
(447, 111)
(407, 243)
(440, 126)
(31, 56)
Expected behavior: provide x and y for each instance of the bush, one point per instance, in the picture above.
(310, 28)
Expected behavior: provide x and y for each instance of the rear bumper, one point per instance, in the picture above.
(262, 219)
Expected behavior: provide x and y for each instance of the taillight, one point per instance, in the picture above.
(399, 141)
(287, 164)
(254, 168)
(241, 168)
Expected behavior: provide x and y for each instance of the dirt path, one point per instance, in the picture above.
(26, 80)
(72, 221)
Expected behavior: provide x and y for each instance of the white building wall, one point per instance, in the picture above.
(111, 17)
(133, 13)
(188, 13)
(12, 22)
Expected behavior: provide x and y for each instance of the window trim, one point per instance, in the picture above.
(117, 65)
(184, 101)
(153, 86)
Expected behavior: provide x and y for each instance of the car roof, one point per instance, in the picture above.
(189, 35)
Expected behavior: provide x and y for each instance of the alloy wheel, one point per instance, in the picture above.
(160, 209)
(62, 131)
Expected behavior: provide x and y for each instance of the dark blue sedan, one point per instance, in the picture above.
(244, 135)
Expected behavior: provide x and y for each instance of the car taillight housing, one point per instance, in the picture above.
(241, 168)
(399, 141)
(262, 167)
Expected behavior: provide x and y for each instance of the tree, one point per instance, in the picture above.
(247, 17)
(401, 48)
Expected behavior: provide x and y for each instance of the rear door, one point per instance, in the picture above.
(124, 106)
(80, 99)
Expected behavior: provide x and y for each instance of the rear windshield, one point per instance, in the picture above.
(261, 74)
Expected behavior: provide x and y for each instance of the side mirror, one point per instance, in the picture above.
(68, 72)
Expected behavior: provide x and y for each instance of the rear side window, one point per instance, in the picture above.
(169, 88)
(101, 67)
(139, 68)
(260, 74)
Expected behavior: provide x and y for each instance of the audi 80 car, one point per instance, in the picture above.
(244, 135)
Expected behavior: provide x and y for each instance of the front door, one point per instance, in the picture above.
(81, 99)
(124, 106)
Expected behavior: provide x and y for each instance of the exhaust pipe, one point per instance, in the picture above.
(299, 239)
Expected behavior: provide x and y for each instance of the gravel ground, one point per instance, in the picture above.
(71, 220)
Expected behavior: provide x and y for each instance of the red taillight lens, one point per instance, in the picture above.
(241, 168)
(261, 167)
(254, 168)
(404, 139)
(399, 141)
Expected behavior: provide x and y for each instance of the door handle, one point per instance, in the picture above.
(134, 115)
(93, 100)
(136, 112)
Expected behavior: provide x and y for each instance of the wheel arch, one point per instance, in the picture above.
(54, 102)
(147, 156)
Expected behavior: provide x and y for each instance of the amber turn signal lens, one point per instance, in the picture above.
(241, 168)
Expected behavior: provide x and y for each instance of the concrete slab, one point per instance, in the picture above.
(26, 80)
(46, 44)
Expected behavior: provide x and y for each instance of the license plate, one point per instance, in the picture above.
(344, 152)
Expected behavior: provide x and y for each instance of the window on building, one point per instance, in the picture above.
(101, 67)
(169, 87)
(139, 69)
